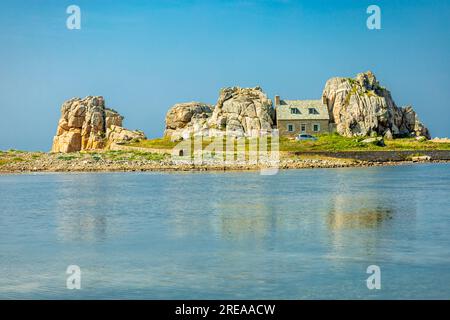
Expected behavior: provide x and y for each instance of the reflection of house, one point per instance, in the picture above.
(301, 116)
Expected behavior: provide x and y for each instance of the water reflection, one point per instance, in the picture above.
(358, 203)
(359, 217)
(299, 234)
(240, 221)
(363, 218)
(214, 203)
(84, 207)
(186, 203)
(82, 226)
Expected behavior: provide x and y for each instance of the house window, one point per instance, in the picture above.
(303, 127)
(290, 127)
(312, 111)
(316, 127)
(295, 111)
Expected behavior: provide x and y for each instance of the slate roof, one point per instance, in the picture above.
(302, 112)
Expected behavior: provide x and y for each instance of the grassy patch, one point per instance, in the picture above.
(9, 160)
(159, 143)
(132, 155)
(335, 142)
(96, 157)
(325, 142)
(413, 144)
(15, 151)
(150, 156)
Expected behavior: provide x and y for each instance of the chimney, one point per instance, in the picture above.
(277, 100)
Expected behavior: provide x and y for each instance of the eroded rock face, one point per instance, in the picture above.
(361, 107)
(185, 118)
(118, 135)
(238, 112)
(243, 112)
(86, 124)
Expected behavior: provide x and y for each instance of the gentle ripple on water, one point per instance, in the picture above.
(301, 234)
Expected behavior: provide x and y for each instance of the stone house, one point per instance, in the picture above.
(296, 117)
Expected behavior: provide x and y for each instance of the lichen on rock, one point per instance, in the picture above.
(361, 107)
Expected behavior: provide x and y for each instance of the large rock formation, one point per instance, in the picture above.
(243, 112)
(119, 135)
(238, 112)
(86, 124)
(361, 107)
(186, 118)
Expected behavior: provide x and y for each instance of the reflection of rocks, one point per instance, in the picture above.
(364, 218)
(81, 211)
(353, 211)
(238, 220)
(83, 227)
(359, 217)
(230, 220)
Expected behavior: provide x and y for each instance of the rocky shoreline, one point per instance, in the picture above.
(90, 136)
(27, 162)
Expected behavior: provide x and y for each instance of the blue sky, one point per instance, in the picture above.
(144, 56)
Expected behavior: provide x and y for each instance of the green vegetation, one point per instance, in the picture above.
(413, 144)
(155, 149)
(12, 156)
(352, 81)
(324, 142)
(96, 157)
(133, 155)
(160, 143)
(371, 93)
(15, 151)
(5, 158)
(335, 142)
(417, 154)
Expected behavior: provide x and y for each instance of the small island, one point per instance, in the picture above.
(354, 123)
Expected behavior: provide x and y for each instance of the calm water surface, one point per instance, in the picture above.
(301, 234)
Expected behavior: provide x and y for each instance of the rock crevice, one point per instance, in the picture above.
(238, 112)
(361, 107)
